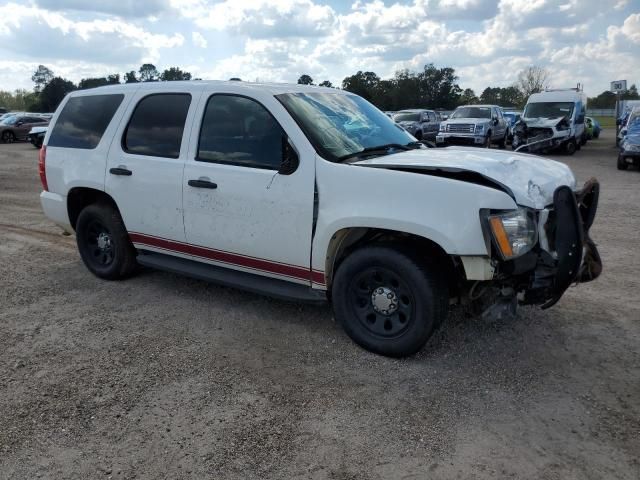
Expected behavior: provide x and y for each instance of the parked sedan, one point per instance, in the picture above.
(17, 127)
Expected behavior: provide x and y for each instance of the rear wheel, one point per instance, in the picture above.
(622, 164)
(388, 301)
(103, 242)
(8, 137)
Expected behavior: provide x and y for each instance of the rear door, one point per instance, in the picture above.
(146, 162)
(239, 212)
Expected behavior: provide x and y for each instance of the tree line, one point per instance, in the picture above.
(431, 87)
(49, 89)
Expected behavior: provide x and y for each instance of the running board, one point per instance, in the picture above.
(232, 278)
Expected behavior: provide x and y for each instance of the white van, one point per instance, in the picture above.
(552, 120)
(270, 188)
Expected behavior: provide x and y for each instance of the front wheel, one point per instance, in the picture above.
(622, 164)
(487, 141)
(503, 143)
(103, 242)
(570, 147)
(388, 301)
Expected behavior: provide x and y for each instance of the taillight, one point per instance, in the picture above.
(41, 167)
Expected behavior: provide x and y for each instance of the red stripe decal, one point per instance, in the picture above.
(227, 257)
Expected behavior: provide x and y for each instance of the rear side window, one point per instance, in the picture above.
(83, 121)
(156, 125)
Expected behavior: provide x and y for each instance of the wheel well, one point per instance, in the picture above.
(80, 197)
(348, 240)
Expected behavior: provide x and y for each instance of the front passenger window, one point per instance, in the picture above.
(239, 131)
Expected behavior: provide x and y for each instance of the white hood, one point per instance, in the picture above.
(532, 179)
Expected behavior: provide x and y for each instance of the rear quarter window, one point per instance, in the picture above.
(83, 121)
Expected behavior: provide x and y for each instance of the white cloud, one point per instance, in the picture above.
(486, 41)
(198, 40)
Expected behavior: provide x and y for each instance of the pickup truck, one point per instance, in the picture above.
(474, 125)
(312, 194)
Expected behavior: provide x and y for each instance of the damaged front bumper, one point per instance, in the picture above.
(537, 135)
(565, 253)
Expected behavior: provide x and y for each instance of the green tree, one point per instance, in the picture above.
(305, 80)
(326, 83)
(53, 93)
(468, 97)
(174, 73)
(130, 77)
(41, 77)
(364, 84)
(439, 87)
(148, 73)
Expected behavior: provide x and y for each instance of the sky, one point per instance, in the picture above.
(487, 41)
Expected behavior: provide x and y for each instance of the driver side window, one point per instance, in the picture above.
(239, 131)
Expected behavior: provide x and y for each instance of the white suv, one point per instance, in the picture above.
(311, 194)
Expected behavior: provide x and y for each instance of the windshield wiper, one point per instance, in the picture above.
(381, 149)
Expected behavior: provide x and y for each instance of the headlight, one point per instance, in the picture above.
(629, 147)
(443, 127)
(479, 128)
(514, 233)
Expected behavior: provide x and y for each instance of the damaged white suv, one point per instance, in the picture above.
(311, 194)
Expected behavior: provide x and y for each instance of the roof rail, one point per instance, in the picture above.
(577, 88)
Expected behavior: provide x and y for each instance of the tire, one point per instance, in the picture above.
(622, 165)
(502, 144)
(570, 147)
(103, 242)
(418, 135)
(487, 141)
(395, 326)
(8, 137)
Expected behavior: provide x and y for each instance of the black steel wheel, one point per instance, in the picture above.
(388, 300)
(382, 302)
(103, 242)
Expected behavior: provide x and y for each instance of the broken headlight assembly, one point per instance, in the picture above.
(514, 232)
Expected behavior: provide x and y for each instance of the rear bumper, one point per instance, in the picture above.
(55, 209)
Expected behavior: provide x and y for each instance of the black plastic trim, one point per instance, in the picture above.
(233, 278)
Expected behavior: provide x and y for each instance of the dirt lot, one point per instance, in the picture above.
(166, 377)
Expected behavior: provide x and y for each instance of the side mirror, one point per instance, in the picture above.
(290, 159)
(424, 118)
(19, 123)
(623, 132)
(495, 120)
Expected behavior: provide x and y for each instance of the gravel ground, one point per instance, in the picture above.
(166, 377)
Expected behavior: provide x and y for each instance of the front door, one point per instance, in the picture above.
(239, 212)
(146, 163)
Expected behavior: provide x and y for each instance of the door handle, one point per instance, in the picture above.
(120, 171)
(202, 184)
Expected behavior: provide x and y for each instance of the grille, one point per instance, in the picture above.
(460, 128)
